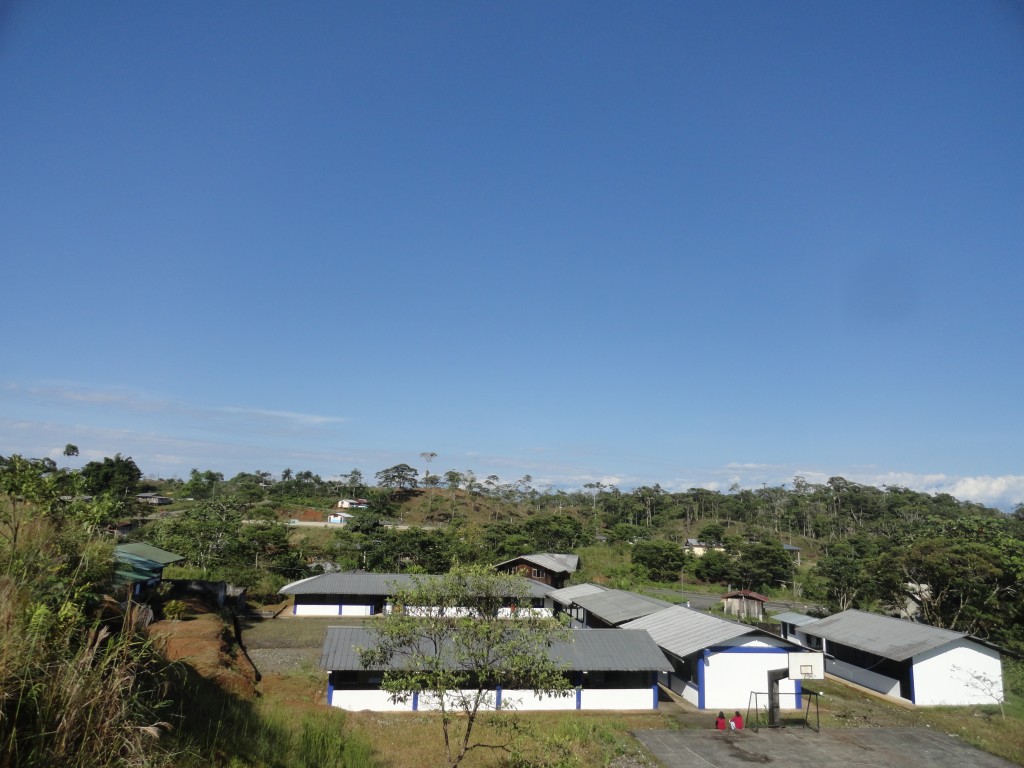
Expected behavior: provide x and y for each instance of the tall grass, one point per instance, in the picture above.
(75, 692)
(83, 686)
(221, 728)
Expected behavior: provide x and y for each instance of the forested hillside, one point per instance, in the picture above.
(75, 658)
(957, 564)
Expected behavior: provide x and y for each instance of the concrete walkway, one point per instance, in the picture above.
(803, 748)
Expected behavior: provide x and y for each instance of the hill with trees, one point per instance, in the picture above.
(82, 684)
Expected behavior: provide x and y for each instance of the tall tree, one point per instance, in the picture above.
(400, 476)
(450, 647)
(118, 476)
(847, 571)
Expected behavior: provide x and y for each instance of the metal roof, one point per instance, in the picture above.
(566, 595)
(884, 636)
(616, 606)
(682, 631)
(590, 650)
(148, 552)
(374, 584)
(549, 561)
(791, 617)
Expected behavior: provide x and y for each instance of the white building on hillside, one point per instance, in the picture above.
(917, 662)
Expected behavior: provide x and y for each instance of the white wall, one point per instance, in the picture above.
(317, 610)
(960, 673)
(617, 698)
(523, 613)
(691, 694)
(867, 678)
(528, 701)
(730, 677)
(521, 701)
(375, 701)
(328, 609)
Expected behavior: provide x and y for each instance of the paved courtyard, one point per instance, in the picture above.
(803, 748)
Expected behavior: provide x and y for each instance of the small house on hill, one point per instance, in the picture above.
(546, 567)
(923, 664)
(718, 663)
(698, 548)
(609, 670)
(339, 518)
(152, 498)
(744, 604)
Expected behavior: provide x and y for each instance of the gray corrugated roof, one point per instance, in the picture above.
(682, 631)
(566, 595)
(884, 636)
(373, 584)
(376, 584)
(590, 650)
(791, 617)
(549, 561)
(616, 606)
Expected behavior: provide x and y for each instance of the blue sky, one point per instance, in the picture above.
(689, 243)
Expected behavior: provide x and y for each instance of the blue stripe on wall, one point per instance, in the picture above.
(701, 663)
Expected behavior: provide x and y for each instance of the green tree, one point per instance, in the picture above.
(118, 476)
(968, 586)
(354, 483)
(713, 567)
(202, 485)
(847, 571)
(447, 644)
(411, 550)
(762, 565)
(712, 533)
(400, 476)
(553, 533)
(207, 534)
(663, 560)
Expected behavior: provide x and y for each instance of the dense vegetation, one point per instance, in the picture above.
(957, 564)
(81, 683)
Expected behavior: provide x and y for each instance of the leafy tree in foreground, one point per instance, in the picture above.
(446, 643)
